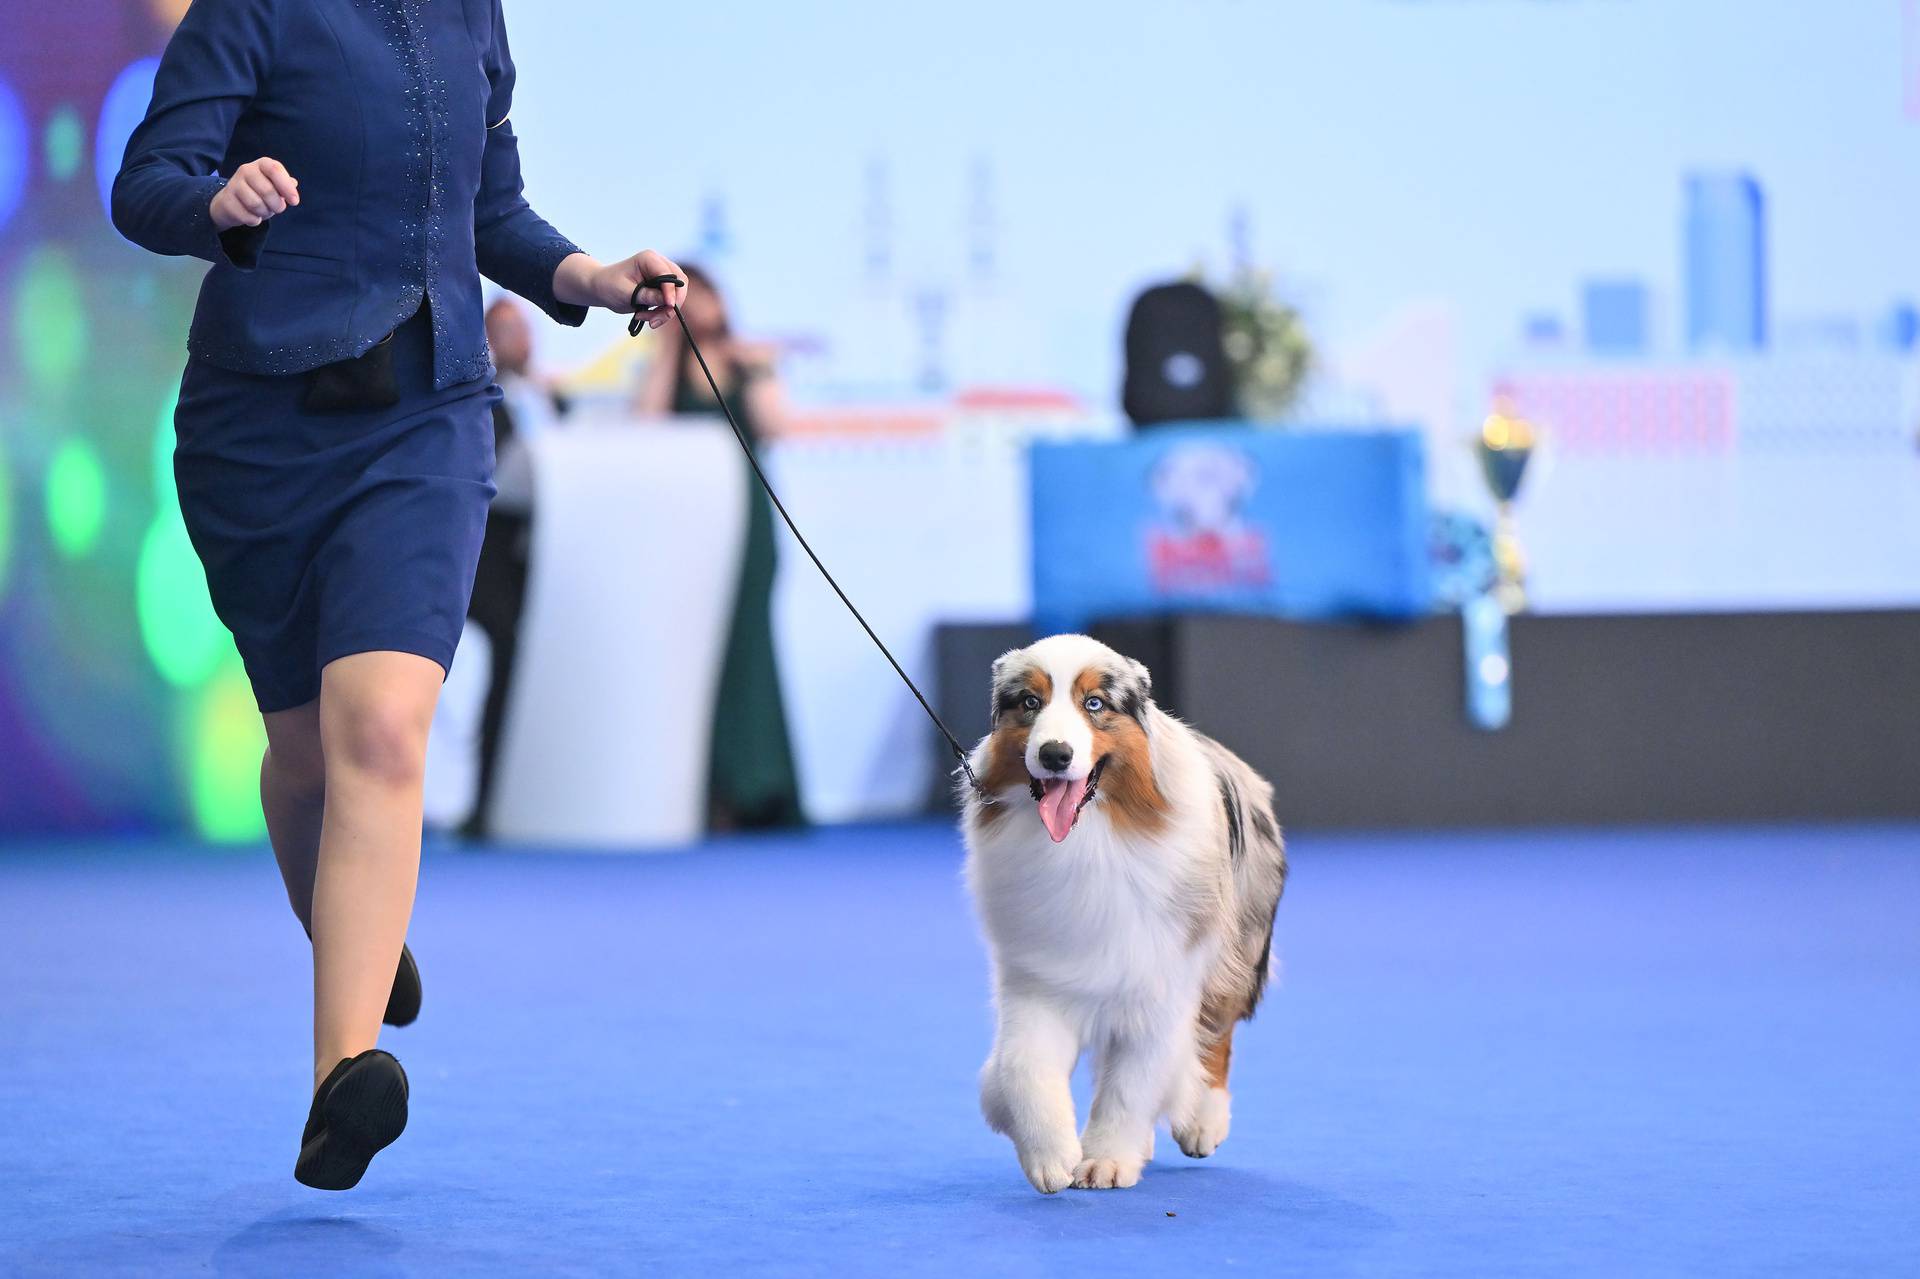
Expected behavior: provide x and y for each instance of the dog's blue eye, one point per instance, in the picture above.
(1095, 704)
(1031, 702)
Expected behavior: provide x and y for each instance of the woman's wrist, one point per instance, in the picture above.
(222, 214)
(573, 280)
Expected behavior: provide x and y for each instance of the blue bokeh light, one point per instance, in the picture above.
(120, 115)
(13, 152)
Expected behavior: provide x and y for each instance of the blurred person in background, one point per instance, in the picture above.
(529, 402)
(751, 776)
(334, 449)
(529, 405)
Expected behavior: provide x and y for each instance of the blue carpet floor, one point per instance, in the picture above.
(1633, 1053)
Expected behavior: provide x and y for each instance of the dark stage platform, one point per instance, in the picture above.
(1616, 718)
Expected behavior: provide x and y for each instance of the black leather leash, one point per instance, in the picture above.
(640, 312)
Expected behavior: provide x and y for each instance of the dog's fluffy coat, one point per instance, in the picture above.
(1127, 871)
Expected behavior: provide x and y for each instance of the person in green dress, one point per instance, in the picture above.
(751, 779)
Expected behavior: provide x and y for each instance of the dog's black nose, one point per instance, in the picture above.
(1055, 756)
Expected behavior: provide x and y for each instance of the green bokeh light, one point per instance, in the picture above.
(164, 491)
(66, 141)
(183, 635)
(49, 321)
(223, 764)
(76, 498)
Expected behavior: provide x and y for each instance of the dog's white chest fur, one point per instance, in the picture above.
(1097, 921)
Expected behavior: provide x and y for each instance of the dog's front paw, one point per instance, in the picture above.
(1201, 1135)
(1050, 1171)
(1106, 1174)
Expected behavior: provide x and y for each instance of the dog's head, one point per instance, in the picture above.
(1069, 717)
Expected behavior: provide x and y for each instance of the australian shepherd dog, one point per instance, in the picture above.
(1126, 870)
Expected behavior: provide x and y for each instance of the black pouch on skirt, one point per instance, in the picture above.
(347, 386)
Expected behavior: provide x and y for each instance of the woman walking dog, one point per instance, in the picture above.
(349, 169)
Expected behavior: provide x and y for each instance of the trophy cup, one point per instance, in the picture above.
(1505, 444)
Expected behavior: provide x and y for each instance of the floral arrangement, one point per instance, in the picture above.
(1265, 339)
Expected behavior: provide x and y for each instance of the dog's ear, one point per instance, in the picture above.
(1133, 687)
(1140, 672)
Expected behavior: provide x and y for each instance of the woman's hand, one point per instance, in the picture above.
(582, 281)
(255, 192)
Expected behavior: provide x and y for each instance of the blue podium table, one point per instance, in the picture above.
(1231, 519)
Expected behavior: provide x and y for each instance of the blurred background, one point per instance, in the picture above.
(1544, 421)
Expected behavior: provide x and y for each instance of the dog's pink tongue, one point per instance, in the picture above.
(1060, 804)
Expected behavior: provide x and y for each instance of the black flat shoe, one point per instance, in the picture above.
(403, 1005)
(357, 1112)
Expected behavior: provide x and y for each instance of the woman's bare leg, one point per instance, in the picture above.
(293, 794)
(375, 709)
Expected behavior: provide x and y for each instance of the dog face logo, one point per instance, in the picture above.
(1203, 540)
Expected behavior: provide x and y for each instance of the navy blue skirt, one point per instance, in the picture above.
(325, 534)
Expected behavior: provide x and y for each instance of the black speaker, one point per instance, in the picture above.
(1177, 368)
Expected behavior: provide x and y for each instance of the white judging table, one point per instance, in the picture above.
(918, 532)
(637, 537)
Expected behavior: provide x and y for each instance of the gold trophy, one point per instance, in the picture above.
(1505, 445)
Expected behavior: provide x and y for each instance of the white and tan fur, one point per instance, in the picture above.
(1139, 933)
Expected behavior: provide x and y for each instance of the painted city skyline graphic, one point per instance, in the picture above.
(1728, 377)
(1703, 215)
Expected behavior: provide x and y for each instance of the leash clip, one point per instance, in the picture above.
(985, 796)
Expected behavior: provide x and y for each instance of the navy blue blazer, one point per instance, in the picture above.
(392, 116)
